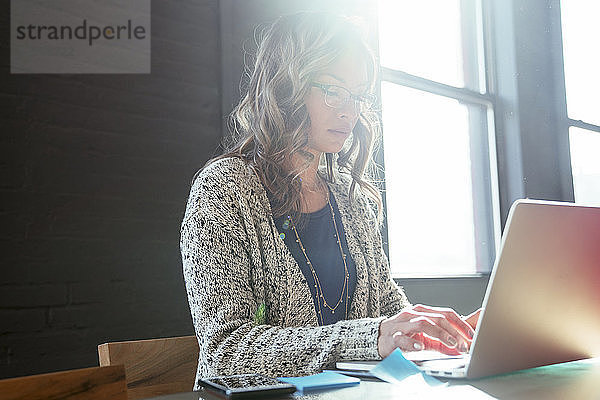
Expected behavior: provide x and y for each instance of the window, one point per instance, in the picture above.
(580, 32)
(438, 138)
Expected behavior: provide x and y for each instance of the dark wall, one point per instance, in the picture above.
(95, 172)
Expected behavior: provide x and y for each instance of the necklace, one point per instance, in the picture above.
(321, 300)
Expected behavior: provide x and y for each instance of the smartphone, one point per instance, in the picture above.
(247, 385)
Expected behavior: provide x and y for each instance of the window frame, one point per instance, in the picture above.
(526, 85)
(476, 93)
(570, 122)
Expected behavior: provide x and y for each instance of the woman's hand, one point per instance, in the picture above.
(425, 328)
(472, 318)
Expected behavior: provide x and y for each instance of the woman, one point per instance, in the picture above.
(283, 260)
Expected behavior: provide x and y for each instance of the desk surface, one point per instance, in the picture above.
(573, 380)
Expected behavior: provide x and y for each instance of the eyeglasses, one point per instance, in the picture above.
(337, 96)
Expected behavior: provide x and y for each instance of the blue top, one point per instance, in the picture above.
(318, 236)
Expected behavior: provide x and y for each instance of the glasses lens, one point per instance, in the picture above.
(336, 96)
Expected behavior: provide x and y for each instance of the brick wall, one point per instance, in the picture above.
(94, 174)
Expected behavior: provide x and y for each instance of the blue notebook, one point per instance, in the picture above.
(324, 380)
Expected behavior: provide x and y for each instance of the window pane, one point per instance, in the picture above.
(422, 38)
(428, 183)
(585, 164)
(581, 31)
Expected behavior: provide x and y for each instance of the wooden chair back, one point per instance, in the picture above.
(154, 367)
(97, 383)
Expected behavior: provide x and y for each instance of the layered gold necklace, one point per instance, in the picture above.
(320, 296)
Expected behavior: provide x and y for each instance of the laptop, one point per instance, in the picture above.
(542, 302)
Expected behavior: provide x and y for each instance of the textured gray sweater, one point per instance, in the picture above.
(234, 261)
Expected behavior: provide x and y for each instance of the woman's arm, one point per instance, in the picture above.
(217, 271)
(223, 306)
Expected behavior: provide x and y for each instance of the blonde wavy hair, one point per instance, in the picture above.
(271, 122)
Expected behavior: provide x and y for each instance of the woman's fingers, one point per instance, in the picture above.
(452, 323)
(420, 341)
(430, 343)
(461, 326)
(434, 327)
(473, 318)
(407, 343)
(456, 338)
(426, 328)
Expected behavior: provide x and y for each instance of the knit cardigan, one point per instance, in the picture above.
(235, 266)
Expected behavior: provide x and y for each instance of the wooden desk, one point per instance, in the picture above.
(575, 380)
